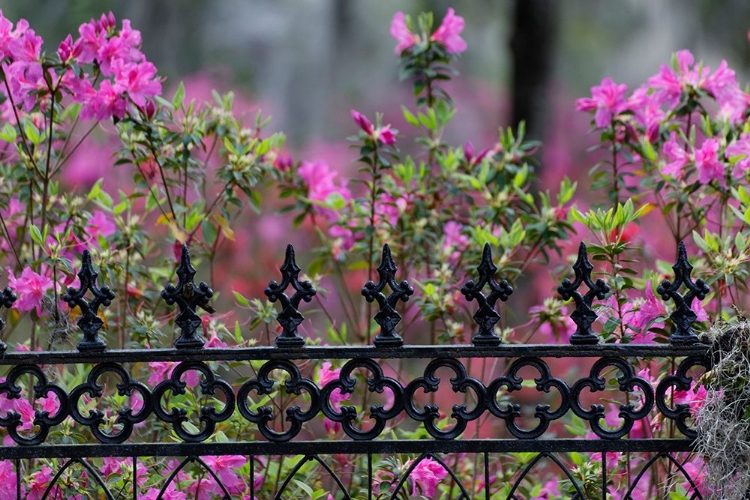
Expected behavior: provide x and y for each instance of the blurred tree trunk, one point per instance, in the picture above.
(532, 45)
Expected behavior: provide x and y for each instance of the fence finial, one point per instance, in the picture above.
(90, 322)
(583, 316)
(387, 317)
(188, 297)
(683, 316)
(486, 316)
(290, 318)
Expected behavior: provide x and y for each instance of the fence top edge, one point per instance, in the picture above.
(354, 352)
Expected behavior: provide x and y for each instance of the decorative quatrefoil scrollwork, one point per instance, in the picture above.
(263, 385)
(583, 316)
(209, 417)
(290, 317)
(42, 418)
(346, 415)
(431, 413)
(7, 297)
(90, 322)
(683, 316)
(486, 316)
(680, 381)
(188, 297)
(387, 317)
(628, 382)
(125, 416)
(512, 382)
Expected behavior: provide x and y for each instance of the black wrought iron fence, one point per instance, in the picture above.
(490, 421)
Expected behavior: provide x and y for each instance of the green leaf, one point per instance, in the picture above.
(179, 96)
(241, 300)
(409, 116)
(36, 235)
(210, 232)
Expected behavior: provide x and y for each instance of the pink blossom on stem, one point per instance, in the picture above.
(320, 182)
(740, 151)
(646, 108)
(386, 135)
(469, 155)
(8, 477)
(30, 288)
(707, 162)
(454, 242)
(607, 99)
(649, 310)
(676, 156)
(449, 33)
(400, 31)
(425, 477)
(138, 80)
(101, 224)
(670, 83)
(362, 122)
(224, 467)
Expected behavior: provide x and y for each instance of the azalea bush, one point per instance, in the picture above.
(673, 160)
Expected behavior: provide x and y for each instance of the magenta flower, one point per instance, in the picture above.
(670, 83)
(740, 149)
(707, 162)
(320, 182)
(386, 135)
(454, 243)
(676, 156)
(469, 155)
(224, 467)
(100, 223)
(607, 99)
(646, 108)
(362, 121)
(30, 288)
(449, 33)
(400, 31)
(649, 310)
(8, 476)
(326, 375)
(137, 79)
(425, 477)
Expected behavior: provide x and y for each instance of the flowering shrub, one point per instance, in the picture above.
(674, 161)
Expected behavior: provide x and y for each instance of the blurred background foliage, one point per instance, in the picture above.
(308, 61)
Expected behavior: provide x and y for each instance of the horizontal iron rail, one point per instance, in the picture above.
(353, 352)
(260, 448)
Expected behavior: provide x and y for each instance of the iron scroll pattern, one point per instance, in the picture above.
(525, 402)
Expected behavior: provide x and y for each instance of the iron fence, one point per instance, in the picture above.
(488, 422)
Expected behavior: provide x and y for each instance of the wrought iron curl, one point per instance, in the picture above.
(263, 385)
(387, 317)
(90, 322)
(683, 316)
(209, 417)
(126, 418)
(628, 381)
(583, 315)
(680, 381)
(188, 297)
(512, 382)
(7, 297)
(346, 414)
(486, 316)
(431, 413)
(290, 317)
(42, 419)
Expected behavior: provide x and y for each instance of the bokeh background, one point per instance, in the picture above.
(309, 61)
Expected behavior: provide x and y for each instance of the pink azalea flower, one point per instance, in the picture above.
(101, 224)
(740, 148)
(469, 156)
(224, 467)
(169, 494)
(670, 83)
(138, 80)
(103, 104)
(326, 375)
(39, 482)
(454, 242)
(425, 477)
(449, 33)
(362, 122)
(707, 162)
(607, 99)
(386, 135)
(320, 182)
(162, 370)
(8, 473)
(400, 31)
(649, 311)
(676, 156)
(550, 491)
(695, 469)
(30, 288)
(6, 35)
(646, 108)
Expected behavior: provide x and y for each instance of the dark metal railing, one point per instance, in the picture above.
(498, 425)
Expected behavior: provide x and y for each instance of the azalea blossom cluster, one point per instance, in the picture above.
(672, 94)
(119, 72)
(448, 33)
